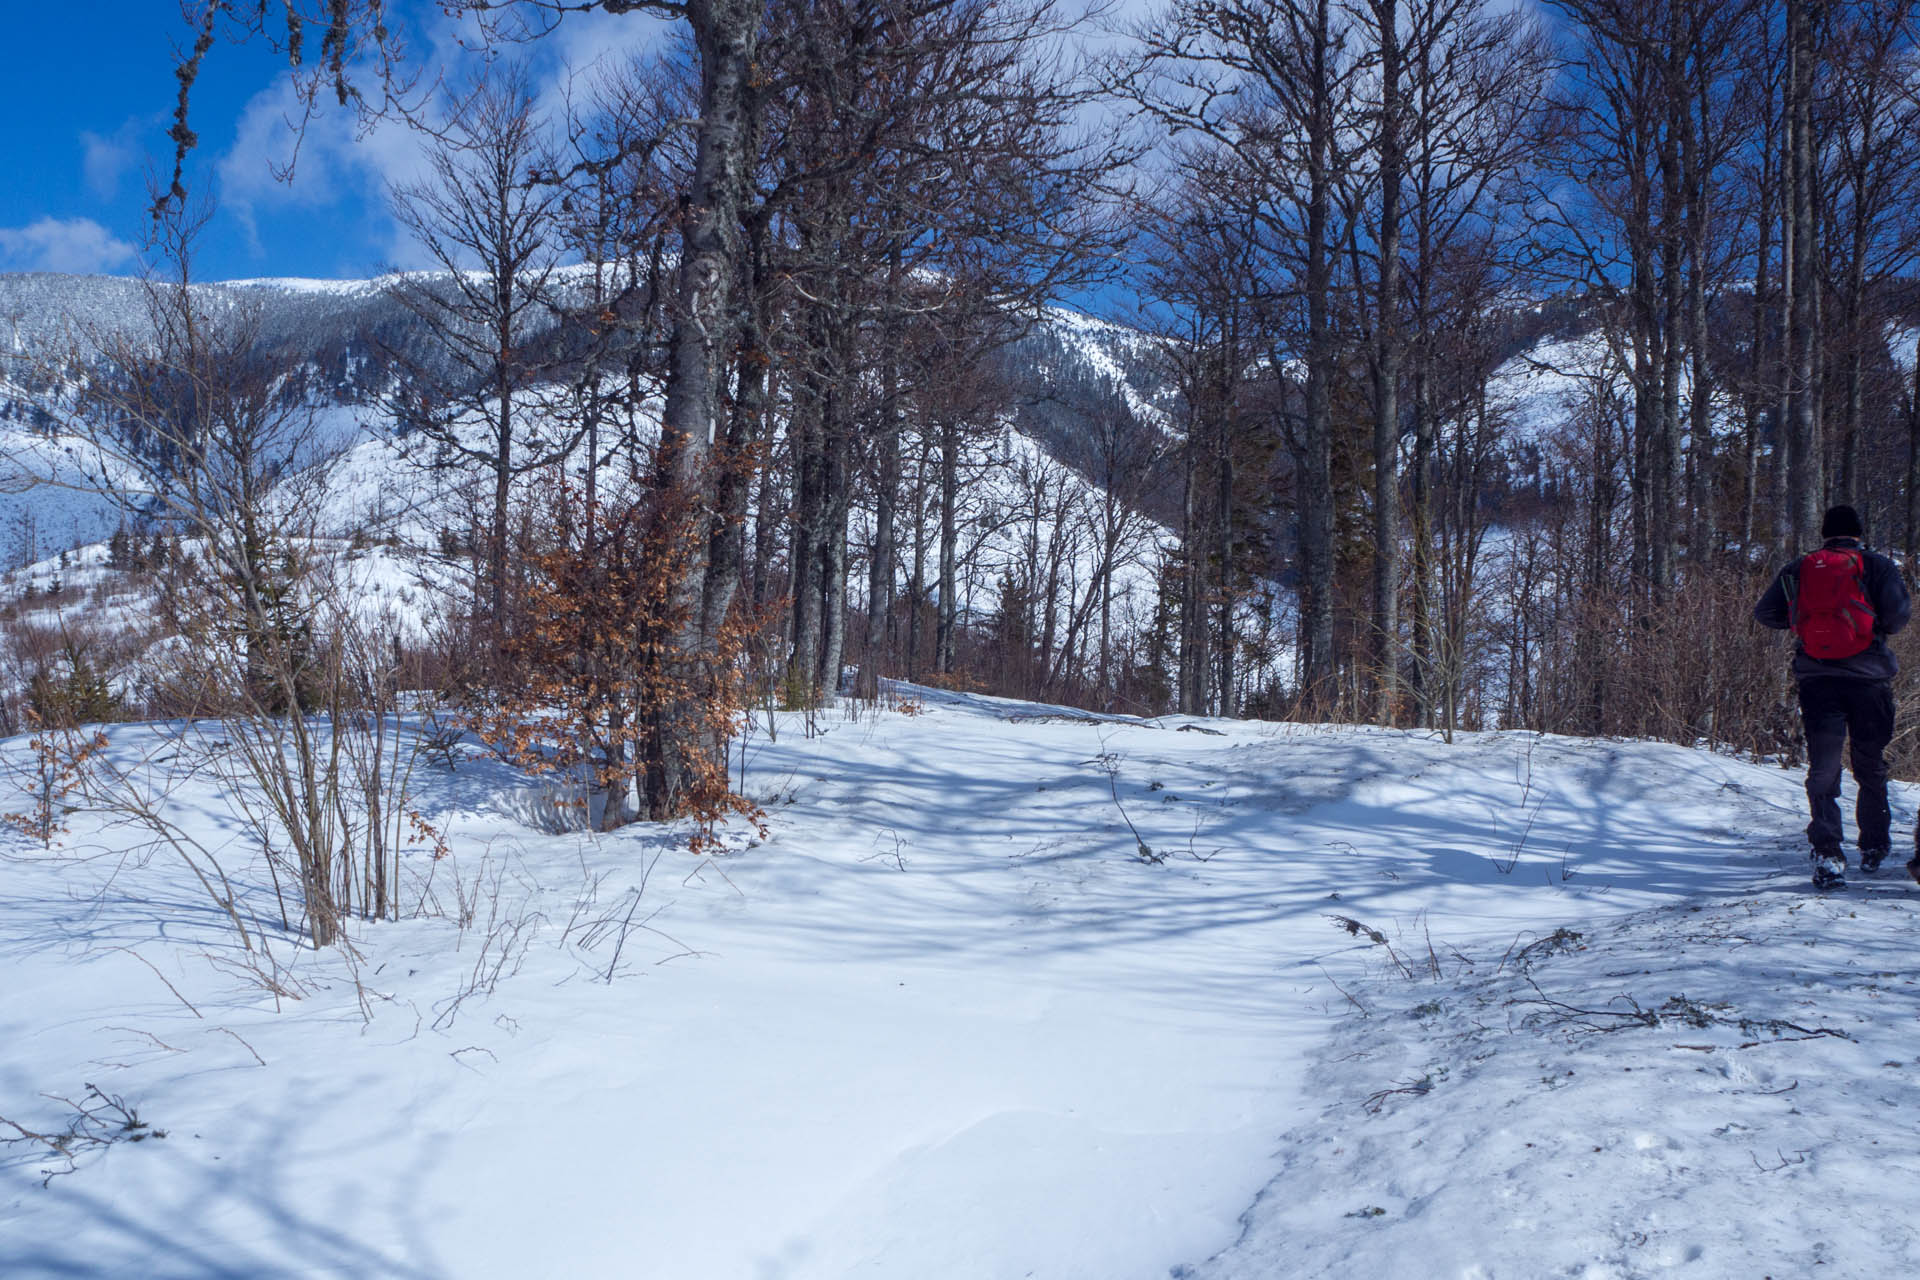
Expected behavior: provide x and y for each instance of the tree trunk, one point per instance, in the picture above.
(735, 468)
(1316, 481)
(1805, 486)
(1385, 656)
(838, 506)
(1913, 462)
(886, 496)
(949, 608)
(917, 576)
(1761, 321)
(1223, 522)
(680, 743)
(809, 501)
(497, 536)
(1193, 625)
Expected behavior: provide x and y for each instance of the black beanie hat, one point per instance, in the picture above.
(1842, 522)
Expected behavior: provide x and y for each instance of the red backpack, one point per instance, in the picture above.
(1831, 614)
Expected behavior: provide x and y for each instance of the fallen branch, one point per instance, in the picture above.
(1802, 1033)
(1633, 1016)
(1417, 1088)
(100, 1120)
(1798, 1157)
(1356, 929)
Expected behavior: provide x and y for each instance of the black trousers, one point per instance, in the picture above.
(1835, 709)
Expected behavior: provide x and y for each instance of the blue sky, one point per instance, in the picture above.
(93, 89)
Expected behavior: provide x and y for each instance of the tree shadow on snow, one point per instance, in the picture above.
(1253, 839)
(243, 1216)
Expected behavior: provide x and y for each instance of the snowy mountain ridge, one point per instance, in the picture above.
(344, 334)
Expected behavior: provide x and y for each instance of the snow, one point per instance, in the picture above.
(948, 1022)
(1544, 387)
(42, 518)
(354, 288)
(1714, 1088)
(375, 286)
(1903, 341)
(1095, 342)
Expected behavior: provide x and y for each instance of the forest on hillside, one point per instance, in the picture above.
(726, 347)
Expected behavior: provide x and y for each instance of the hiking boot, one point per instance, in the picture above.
(1913, 868)
(1870, 859)
(1830, 872)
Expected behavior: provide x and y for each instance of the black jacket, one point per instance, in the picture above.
(1891, 609)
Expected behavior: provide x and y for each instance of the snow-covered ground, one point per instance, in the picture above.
(1103, 345)
(949, 1022)
(1544, 387)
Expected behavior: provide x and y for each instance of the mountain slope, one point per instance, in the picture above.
(347, 341)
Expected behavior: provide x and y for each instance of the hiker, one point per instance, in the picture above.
(1841, 603)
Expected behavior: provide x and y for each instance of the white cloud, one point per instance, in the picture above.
(337, 146)
(344, 164)
(579, 44)
(335, 163)
(107, 157)
(78, 246)
(589, 40)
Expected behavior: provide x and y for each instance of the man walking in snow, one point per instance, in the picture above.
(1841, 602)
